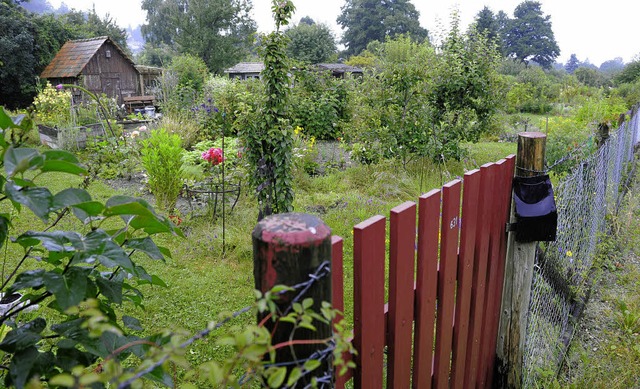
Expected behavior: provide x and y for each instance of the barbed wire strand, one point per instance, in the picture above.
(321, 271)
(571, 155)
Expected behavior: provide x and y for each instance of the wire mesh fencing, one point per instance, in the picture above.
(561, 280)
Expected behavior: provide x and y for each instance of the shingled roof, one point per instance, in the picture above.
(74, 56)
(246, 67)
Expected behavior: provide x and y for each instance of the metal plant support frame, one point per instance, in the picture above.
(210, 191)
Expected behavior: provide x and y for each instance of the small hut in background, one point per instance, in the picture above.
(97, 64)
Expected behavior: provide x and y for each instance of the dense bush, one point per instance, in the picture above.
(419, 101)
(319, 103)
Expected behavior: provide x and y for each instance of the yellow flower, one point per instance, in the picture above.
(569, 253)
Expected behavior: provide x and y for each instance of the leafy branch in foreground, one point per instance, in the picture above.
(79, 275)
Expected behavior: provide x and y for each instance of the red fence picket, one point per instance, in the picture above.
(446, 281)
(368, 294)
(469, 226)
(401, 270)
(426, 288)
(458, 264)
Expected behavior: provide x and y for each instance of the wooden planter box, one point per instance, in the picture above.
(50, 136)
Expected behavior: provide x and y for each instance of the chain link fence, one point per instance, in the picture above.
(562, 283)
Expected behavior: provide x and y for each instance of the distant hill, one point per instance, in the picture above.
(135, 40)
(43, 6)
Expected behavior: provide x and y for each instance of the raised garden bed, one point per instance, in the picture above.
(71, 137)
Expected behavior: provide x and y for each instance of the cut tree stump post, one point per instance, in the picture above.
(518, 277)
(287, 249)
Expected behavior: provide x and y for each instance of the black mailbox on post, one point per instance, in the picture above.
(536, 214)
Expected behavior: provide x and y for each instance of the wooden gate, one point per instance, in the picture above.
(446, 268)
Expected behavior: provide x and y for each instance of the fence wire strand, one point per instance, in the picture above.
(323, 270)
(561, 279)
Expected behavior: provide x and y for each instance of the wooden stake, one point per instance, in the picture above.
(518, 276)
(287, 249)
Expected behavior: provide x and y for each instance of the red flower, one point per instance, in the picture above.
(214, 156)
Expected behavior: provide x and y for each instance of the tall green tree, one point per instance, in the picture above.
(466, 94)
(364, 21)
(218, 31)
(572, 64)
(487, 23)
(269, 140)
(18, 62)
(310, 43)
(90, 25)
(529, 36)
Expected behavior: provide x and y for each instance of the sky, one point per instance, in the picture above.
(594, 31)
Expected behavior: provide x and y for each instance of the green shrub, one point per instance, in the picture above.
(162, 159)
(319, 103)
(630, 93)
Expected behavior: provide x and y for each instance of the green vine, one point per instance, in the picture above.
(270, 142)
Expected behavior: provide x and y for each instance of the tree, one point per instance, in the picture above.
(487, 23)
(630, 73)
(590, 77)
(218, 31)
(18, 63)
(307, 20)
(364, 21)
(269, 140)
(572, 64)
(612, 66)
(529, 36)
(90, 25)
(466, 93)
(310, 43)
(156, 55)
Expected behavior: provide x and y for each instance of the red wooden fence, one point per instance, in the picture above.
(446, 269)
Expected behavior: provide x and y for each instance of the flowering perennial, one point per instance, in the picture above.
(214, 156)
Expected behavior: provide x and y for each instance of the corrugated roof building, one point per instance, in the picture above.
(98, 64)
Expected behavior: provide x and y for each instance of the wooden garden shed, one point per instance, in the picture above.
(98, 64)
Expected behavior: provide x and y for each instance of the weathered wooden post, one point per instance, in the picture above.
(518, 276)
(287, 249)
